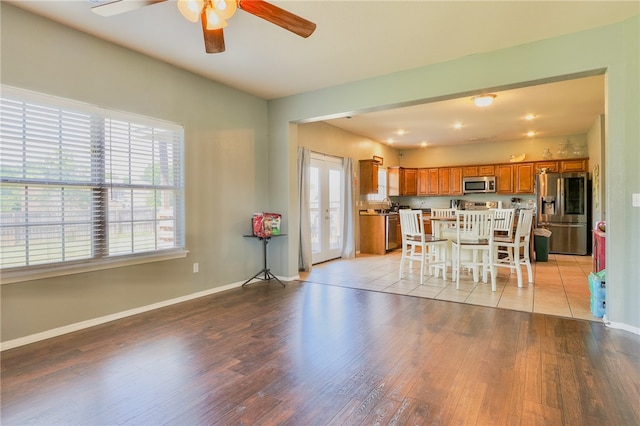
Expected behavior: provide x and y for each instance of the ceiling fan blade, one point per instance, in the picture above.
(213, 39)
(121, 6)
(278, 16)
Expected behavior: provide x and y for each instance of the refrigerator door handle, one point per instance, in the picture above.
(563, 225)
(561, 197)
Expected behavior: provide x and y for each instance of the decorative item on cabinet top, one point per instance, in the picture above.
(378, 160)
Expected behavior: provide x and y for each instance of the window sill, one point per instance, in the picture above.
(58, 271)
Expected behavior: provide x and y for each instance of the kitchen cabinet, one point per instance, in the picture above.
(423, 181)
(444, 181)
(571, 166)
(524, 182)
(409, 183)
(373, 234)
(433, 176)
(456, 181)
(426, 220)
(483, 170)
(550, 166)
(368, 177)
(402, 181)
(504, 179)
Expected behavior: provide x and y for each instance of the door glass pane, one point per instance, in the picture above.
(335, 224)
(314, 207)
(574, 201)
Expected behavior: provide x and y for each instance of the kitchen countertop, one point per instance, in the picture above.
(377, 212)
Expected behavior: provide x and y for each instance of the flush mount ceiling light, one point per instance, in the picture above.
(483, 100)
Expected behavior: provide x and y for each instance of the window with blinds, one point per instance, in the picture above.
(81, 183)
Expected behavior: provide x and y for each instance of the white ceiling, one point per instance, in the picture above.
(359, 39)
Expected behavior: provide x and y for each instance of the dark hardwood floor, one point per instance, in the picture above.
(313, 354)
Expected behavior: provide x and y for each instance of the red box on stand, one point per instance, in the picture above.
(266, 224)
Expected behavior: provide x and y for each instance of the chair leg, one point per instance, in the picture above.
(456, 269)
(492, 268)
(527, 262)
(516, 264)
(423, 260)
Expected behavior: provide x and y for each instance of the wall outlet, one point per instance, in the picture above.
(196, 268)
(635, 200)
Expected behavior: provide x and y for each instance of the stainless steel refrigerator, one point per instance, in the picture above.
(562, 203)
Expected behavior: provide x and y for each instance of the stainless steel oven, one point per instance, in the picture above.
(391, 231)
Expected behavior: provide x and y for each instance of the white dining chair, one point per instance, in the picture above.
(503, 227)
(416, 246)
(444, 213)
(518, 246)
(474, 234)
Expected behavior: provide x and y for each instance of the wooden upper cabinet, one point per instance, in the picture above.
(570, 166)
(408, 181)
(488, 170)
(456, 181)
(550, 166)
(368, 177)
(504, 178)
(470, 171)
(423, 181)
(483, 170)
(434, 179)
(402, 181)
(524, 182)
(444, 181)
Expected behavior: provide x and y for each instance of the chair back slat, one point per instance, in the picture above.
(523, 229)
(411, 224)
(443, 213)
(504, 221)
(474, 224)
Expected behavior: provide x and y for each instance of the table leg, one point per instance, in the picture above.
(268, 276)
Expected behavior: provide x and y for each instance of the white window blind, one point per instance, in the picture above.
(81, 183)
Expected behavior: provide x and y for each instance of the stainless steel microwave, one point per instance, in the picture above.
(480, 184)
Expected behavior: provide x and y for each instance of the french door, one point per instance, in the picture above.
(325, 205)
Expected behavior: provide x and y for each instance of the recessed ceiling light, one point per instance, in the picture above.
(531, 133)
(423, 144)
(457, 126)
(529, 117)
(483, 100)
(401, 132)
(390, 141)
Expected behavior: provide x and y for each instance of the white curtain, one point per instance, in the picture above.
(348, 202)
(304, 162)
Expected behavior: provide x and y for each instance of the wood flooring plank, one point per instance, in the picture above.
(313, 354)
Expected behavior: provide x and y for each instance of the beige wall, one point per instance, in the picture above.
(327, 139)
(486, 152)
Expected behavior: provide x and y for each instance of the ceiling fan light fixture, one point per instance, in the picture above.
(225, 8)
(214, 20)
(191, 9)
(483, 100)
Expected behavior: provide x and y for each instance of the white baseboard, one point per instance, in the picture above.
(10, 344)
(620, 326)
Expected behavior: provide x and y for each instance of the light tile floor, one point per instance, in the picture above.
(560, 285)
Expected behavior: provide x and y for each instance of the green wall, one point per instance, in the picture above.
(613, 48)
(225, 172)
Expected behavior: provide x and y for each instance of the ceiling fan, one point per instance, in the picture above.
(214, 14)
